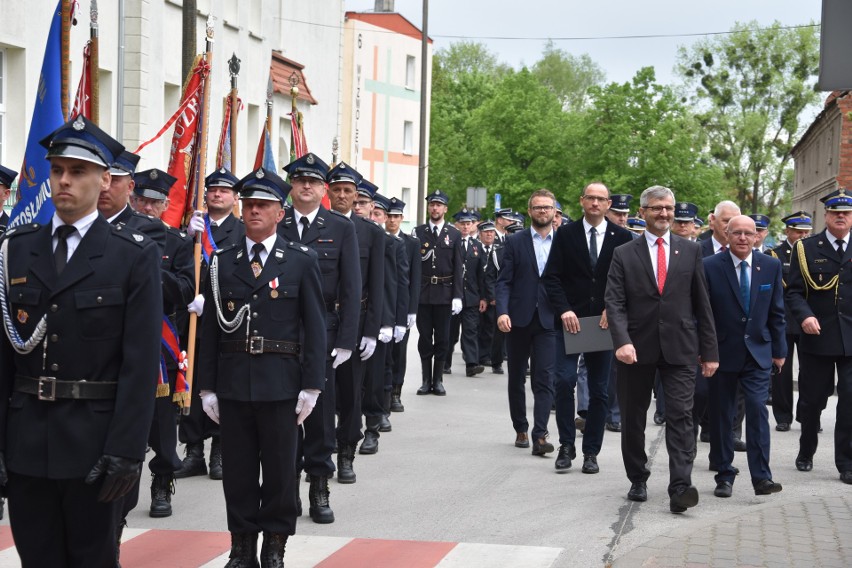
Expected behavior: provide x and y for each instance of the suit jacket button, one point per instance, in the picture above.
(54, 307)
(54, 367)
(746, 336)
(743, 319)
(99, 299)
(254, 315)
(54, 338)
(254, 297)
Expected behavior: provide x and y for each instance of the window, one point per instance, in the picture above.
(408, 138)
(406, 195)
(410, 71)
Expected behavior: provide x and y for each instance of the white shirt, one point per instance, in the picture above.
(111, 219)
(298, 217)
(844, 238)
(716, 245)
(737, 263)
(219, 221)
(651, 239)
(541, 246)
(73, 240)
(600, 228)
(439, 226)
(267, 243)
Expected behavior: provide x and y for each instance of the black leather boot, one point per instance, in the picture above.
(384, 421)
(118, 532)
(193, 464)
(243, 551)
(370, 445)
(396, 399)
(162, 489)
(345, 456)
(272, 550)
(318, 495)
(438, 380)
(216, 458)
(426, 387)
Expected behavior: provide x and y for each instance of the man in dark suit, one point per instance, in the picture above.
(748, 308)
(7, 178)
(83, 306)
(396, 211)
(819, 275)
(525, 314)
(660, 318)
(262, 367)
(796, 226)
(441, 289)
(222, 228)
(332, 237)
(490, 338)
(575, 280)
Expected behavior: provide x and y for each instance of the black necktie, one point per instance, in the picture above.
(465, 244)
(435, 231)
(256, 262)
(840, 251)
(593, 246)
(305, 226)
(60, 255)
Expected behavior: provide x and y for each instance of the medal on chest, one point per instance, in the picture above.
(273, 284)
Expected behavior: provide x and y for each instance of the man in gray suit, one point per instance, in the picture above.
(660, 319)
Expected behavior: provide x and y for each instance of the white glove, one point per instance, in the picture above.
(340, 357)
(196, 225)
(457, 306)
(399, 333)
(210, 404)
(412, 319)
(196, 306)
(368, 347)
(385, 334)
(305, 404)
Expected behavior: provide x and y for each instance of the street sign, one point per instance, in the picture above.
(497, 199)
(835, 44)
(476, 197)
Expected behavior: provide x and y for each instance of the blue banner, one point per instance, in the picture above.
(34, 204)
(268, 159)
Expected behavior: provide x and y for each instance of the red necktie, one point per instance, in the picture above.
(661, 264)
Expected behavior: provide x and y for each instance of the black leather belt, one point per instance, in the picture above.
(438, 279)
(332, 306)
(48, 388)
(257, 345)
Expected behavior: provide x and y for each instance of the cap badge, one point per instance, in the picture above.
(153, 174)
(79, 123)
(310, 159)
(222, 171)
(259, 174)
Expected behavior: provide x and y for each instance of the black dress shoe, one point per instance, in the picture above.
(804, 464)
(723, 489)
(522, 440)
(497, 370)
(613, 426)
(659, 418)
(683, 499)
(473, 370)
(564, 457)
(782, 427)
(766, 487)
(846, 477)
(541, 447)
(704, 437)
(590, 464)
(739, 445)
(638, 492)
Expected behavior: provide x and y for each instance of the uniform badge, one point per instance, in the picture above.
(310, 159)
(230, 306)
(23, 316)
(259, 174)
(79, 124)
(21, 280)
(153, 174)
(222, 170)
(138, 238)
(274, 285)
(304, 249)
(279, 254)
(447, 240)
(426, 245)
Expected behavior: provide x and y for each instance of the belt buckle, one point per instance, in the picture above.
(42, 382)
(256, 345)
(434, 280)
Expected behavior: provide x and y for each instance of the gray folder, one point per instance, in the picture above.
(591, 337)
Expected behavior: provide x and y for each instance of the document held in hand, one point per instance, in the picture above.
(589, 339)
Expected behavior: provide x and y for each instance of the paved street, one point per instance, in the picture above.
(448, 488)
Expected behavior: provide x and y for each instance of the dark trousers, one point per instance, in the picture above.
(60, 523)
(433, 324)
(753, 382)
(613, 413)
(598, 365)
(523, 343)
(259, 437)
(374, 381)
(317, 436)
(817, 372)
(564, 384)
(487, 329)
(349, 391)
(468, 319)
(635, 383)
(196, 426)
(782, 386)
(658, 394)
(400, 359)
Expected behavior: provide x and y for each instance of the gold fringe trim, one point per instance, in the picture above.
(162, 390)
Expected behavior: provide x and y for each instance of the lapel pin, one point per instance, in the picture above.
(230, 306)
(23, 316)
(677, 252)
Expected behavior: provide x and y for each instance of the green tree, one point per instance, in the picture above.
(568, 76)
(639, 134)
(750, 89)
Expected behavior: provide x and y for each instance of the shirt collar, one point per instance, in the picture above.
(651, 238)
(268, 243)
(536, 236)
(600, 227)
(218, 222)
(311, 216)
(716, 244)
(440, 226)
(111, 219)
(82, 224)
(737, 260)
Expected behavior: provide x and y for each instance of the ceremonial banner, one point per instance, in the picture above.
(264, 152)
(34, 203)
(223, 150)
(83, 100)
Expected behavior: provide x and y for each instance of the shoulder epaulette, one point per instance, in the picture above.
(129, 234)
(299, 247)
(333, 212)
(22, 229)
(225, 249)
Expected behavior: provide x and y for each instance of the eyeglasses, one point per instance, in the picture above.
(362, 203)
(660, 208)
(542, 208)
(739, 234)
(595, 198)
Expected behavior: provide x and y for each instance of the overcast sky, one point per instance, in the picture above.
(537, 20)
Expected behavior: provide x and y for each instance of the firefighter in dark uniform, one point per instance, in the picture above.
(818, 295)
(465, 324)
(396, 211)
(378, 381)
(490, 338)
(332, 236)
(150, 196)
(81, 307)
(796, 226)
(222, 229)
(343, 190)
(441, 290)
(261, 368)
(7, 178)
